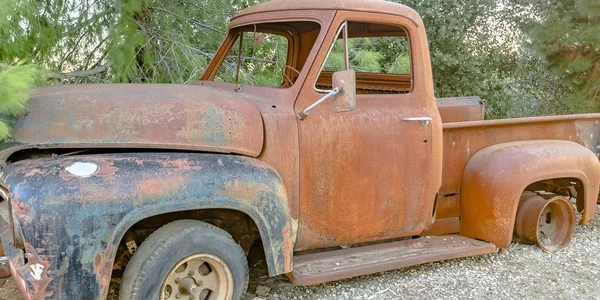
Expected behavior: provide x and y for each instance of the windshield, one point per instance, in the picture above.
(270, 54)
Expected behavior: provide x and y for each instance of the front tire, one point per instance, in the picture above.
(186, 259)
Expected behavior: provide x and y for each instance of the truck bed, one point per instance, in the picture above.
(463, 139)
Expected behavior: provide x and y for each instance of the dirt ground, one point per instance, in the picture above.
(520, 272)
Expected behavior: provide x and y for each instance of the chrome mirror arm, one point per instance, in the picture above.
(303, 114)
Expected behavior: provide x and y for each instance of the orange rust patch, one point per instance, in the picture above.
(157, 187)
(103, 269)
(107, 169)
(242, 190)
(287, 247)
(33, 172)
(20, 208)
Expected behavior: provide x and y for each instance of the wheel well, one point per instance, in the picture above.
(568, 187)
(239, 225)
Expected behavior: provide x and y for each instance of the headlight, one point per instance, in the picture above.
(13, 221)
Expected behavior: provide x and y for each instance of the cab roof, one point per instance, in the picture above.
(376, 6)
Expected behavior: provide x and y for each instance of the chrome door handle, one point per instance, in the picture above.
(424, 120)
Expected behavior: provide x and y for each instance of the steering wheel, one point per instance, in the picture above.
(288, 81)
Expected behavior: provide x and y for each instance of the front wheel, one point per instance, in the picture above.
(186, 259)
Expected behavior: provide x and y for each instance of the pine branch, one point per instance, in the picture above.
(190, 20)
(89, 21)
(83, 73)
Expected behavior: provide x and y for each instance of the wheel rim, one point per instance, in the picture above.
(546, 222)
(199, 277)
(555, 225)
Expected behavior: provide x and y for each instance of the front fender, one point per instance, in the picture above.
(74, 218)
(495, 177)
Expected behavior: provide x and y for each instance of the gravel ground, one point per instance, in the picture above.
(521, 272)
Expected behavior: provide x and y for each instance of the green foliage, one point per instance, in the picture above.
(400, 66)
(366, 60)
(335, 61)
(168, 41)
(371, 55)
(478, 47)
(569, 39)
(15, 85)
(263, 58)
(26, 29)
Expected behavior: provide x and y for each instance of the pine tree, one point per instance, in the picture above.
(15, 85)
(569, 39)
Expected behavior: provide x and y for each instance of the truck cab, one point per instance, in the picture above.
(382, 153)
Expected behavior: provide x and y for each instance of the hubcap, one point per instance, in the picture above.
(199, 277)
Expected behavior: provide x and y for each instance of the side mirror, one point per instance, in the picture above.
(345, 100)
(343, 94)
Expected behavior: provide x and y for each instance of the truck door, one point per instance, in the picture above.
(371, 173)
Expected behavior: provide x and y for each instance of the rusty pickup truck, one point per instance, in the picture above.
(338, 169)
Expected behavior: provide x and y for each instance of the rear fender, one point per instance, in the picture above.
(73, 216)
(496, 176)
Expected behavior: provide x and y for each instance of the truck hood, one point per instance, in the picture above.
(152, 116)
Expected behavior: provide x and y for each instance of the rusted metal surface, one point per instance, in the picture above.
(16, 260)
(385, 8)
(443, 226)
(356, 184)
(548, 223)
(495, 177)
(9, 219)
(134, 116)
(462, 140)
(340, 264)
(276, 104)
(345, 81)
(89, 213)
(461, 109)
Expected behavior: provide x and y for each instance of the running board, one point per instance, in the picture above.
(322, 267)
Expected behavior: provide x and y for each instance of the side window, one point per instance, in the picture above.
(262, 60)
(380, 55)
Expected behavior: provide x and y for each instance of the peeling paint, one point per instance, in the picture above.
(242, 190)
(73, 225)
(127, 116)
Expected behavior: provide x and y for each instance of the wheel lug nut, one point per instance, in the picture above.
(191, 273)
(177, 296)
(199, 283)
(177, 280)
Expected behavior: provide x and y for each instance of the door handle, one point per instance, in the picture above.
(424, 120)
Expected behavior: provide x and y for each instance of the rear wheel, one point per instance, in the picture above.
(186, 259)
(546, 222)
